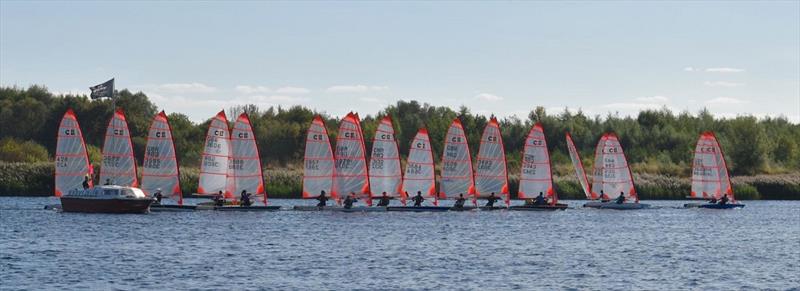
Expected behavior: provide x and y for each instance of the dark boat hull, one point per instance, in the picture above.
(112, 205)
(248, 208)
(171, 208)
(418, 209)
(721, 206)
(546, 207)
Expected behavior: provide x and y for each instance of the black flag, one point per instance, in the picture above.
(103, 90)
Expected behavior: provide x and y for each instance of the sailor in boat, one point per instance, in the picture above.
(491, 200)
(621, 198)
(460, 201)
(108, 181)
(603, 197)
(723, 200)
(86, 182)
(540, 199)
(245, 198)
(348, 202)
(158, 196)
(418, 199)
(384, 200)
(322, 199)
(219, 199)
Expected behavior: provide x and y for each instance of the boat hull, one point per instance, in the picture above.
(248, 208)
(171, 208)
(616, 206)
(546, 207)
(340, 209)
(418, 209)
(721, 206)
(105, 205)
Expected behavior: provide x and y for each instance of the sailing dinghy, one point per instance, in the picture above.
(419, 176)
(318, 165)
(385, 174)
(457, 175)
(491, 173)
(216, 155)
(72, 161)
(536, 177)
(612, 176)
(160, 170)
(351, 175)
(118, 166)
(710, 178)
(580, 174)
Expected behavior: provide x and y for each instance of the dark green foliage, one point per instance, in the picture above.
(28, 179)
(14, 150)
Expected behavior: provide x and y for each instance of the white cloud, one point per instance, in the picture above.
(354, 88)
(625, 106)
(292, 90)
(725, 70)
(182, 88)
(723, 84)
(654, 99)
(488, 97)
(726, 100)
(245, 89)
(371, 99)
(282, 99)
(689, 69)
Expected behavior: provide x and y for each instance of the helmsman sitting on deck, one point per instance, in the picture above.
(491, 200)
(460, 201)
(418, 199)
(245, 199)
(158, 196)
(603, 197)
(219, 199)
(621, 198)
(348, 202)
(86, 182)
(384, 200)
(723, 200)
(323, 200)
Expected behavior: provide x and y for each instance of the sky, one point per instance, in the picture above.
(502, 58)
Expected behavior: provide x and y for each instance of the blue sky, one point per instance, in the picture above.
(500, 57)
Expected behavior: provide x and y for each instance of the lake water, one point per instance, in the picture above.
(757, 247)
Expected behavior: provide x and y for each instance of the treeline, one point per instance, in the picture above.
(655, 141)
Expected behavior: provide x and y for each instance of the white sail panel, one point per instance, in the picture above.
(580, 172)
(612, 176)
(710, 177)
(491, 174)
(216, 154)
(318, 161)
(385, 174)
(246, 161)
(160, 165)
(457, 176)
(419, 175)
(351, 165)
(118, 167)
(72, 163)
(536, 176)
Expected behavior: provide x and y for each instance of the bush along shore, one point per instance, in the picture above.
(36, 179)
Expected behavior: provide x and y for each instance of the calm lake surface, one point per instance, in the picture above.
(757, 247)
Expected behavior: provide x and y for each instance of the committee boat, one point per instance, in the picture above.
(72, 165)
(118, 166)
(160, 171)
(612, 176)
(491, 173)
(710, 178)
(106, 199)
(536, 177)
(419, 177)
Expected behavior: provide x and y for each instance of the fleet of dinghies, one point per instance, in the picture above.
(231, 168)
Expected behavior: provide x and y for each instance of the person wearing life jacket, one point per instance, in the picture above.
(603, 197)
(323, 200)
(621, 198)
(713, 200)
(491, 200)
(158, 196)
(540, 199)
(384, 200)
(460, 201)
(723, 200)
(245, 199)
(219, 199)
(418, 199)
(86, 182)
(108, 181)
(348, 202)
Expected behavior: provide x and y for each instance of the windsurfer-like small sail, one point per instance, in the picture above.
(419, 174)
(709, 172)
(160, 166)
(318, 162)
(351, 164)
(118, 167)
(536, 176)
(491, 174)
(580, 173)
(216, 152)
(457, 176)
(385, 174)
(612, 174)
(245, 160)
(72, 162)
